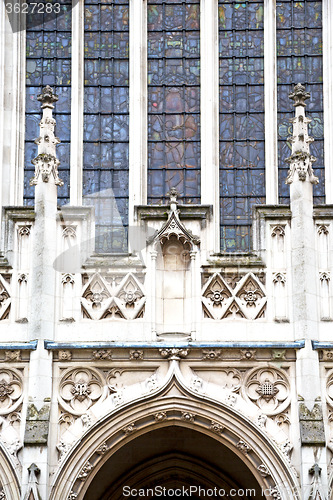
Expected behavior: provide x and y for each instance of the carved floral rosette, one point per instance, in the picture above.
(11, 390)
(81, 388)
(268, 388)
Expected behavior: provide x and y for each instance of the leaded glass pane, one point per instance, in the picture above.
(173, 100)
(299, 60)
(106, 121)
(48, 62)
(242, 134)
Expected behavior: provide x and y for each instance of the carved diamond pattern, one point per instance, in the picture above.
(115, 300)
(246, 301)
(4, 299)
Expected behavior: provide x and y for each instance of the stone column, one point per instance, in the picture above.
(43, 283)
(304, 284)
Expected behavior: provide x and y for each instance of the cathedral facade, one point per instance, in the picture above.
(166, 304)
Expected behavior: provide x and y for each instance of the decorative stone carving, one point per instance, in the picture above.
(327, 355)
(246, 300)
(118, 398)
(300, 159)
(136, 355)
(11, 356)
(275, 493)
(231, 399)
(64, 355)
(286, 449)
(102, 449)
(14, 447)
(79, 389)
(63, 448)
(247, 354)
(151, 383)
(211, 354)
(322, 229)
(261, 420)
(24, 230)
(263, 470)
(72, 496)
(216, 427)
(86, 421)
(124, 300)
(278, 230)
(160, 416)
(102, 354)
(32, 492)
(11, 389)
(196, 383)
(243, 447)
(174, 353)
(5, 299)
(268, 388)
(69, 231)
(85, 471)
(37, 425)
(188, 417)
(129, 429)
(278, 354)
(2, 495)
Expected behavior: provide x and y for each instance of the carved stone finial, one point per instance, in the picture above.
(32, 490)
(47, 97)
(315, 470)
(300, 159)
(299, 95)
(46, 163)
(173, 194)
(33, 472)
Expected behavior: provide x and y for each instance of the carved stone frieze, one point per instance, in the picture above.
(248, 354)
(79, 389)
(220, 301)
(268, 388)
(102, 354)
(72, 496)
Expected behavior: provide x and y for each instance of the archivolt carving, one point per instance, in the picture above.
(247, 300)
(268, 388)
(79, 389)
(11, 389)
(101, 300)
(329, 389)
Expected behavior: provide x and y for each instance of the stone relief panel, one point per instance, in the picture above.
(246, 300)
(122, 299)
(11, 390)
(268, 388)
(81, 388)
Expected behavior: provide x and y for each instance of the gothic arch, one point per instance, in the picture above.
(174, 404)
(9, 480)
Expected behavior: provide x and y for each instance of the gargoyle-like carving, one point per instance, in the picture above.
(243, 447)
(85, 471)
(263, 470)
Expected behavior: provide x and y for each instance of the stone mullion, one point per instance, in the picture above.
(270, 79)
(77, 106)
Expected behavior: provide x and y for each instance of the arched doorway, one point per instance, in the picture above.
(174, 461)
(173, 435)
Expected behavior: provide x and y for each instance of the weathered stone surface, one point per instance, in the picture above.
(312, 425)
(37, 425)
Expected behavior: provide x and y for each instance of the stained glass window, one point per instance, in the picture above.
(242, 146)
(173, 100)
(299, 60)
(48, 62)
(106, 120)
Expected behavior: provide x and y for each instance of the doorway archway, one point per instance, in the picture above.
(211, 442)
